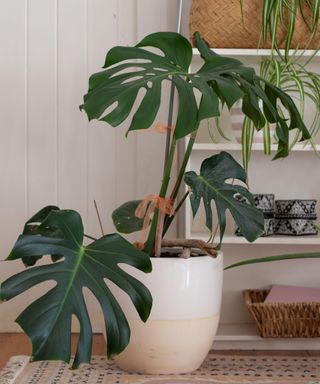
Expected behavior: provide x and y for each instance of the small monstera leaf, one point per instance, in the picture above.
(124, 218)
(47, 321)
(113, 93)
(211, 185)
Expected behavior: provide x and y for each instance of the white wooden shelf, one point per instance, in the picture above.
(255, 52)
(245, 336)
(300, 147)
(276, 240)
(286, 179)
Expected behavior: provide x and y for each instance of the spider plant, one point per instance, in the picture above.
(282, 15)
(269, 259)
(302, 85)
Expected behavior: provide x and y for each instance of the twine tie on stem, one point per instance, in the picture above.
(145, 211)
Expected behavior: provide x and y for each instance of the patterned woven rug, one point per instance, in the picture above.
(217, 369)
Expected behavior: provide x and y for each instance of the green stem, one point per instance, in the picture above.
(174, 193)
(169, 219)
(164, 187)
(183, 167)
(169, 130)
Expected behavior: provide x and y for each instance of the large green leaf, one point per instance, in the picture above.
(211, 185)
(113, 92)
(123, 80)
(268, 259)
(47, 321)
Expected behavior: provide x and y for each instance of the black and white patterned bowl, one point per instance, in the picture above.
(295, 227)
(264, 201)
(296, 209)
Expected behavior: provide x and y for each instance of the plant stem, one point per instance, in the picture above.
(163, 190)
(169, 219)
(89, 237)
(182, 201)
(169, 130)
(99, 218)
(185, 160)
(174, 193)
(171, 102)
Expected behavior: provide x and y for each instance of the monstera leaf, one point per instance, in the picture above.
(124, 218)
(113, 92)
(47, 321)
(211, 185)
(254, 88)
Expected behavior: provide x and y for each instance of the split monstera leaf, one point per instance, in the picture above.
(47, 321)
(219, 80)
(211, 184)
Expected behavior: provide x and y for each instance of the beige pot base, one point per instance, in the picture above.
(168, 346)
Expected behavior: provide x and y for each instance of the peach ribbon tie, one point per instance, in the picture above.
(145, 211)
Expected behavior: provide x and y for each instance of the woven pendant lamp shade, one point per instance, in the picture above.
(220, 25)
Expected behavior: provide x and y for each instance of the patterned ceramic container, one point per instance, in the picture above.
(295, 227)
(264, 202)
(268, 228)
(296, 209)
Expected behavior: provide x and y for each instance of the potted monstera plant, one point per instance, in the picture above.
(186, 290)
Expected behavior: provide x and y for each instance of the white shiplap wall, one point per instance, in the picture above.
(49, 154)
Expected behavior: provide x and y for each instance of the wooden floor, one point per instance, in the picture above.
(12, 344)
(18, 344)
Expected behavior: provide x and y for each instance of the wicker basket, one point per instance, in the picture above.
(220, 25)
(283, 320)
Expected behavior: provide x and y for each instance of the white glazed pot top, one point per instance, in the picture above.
(181, 288)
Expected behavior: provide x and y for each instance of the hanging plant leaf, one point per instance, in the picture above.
(47, 321)
(211, 184)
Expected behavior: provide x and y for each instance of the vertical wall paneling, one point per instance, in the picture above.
(72, 134)
(42, 104)
(185, 17)
(13, 143)
(49, 153)
(126, 166)
(102, 35)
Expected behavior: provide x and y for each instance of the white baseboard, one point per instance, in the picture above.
(245, 336)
